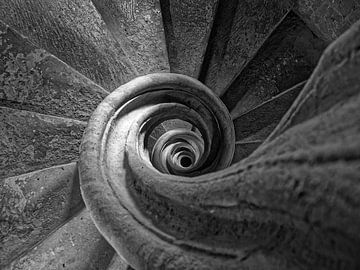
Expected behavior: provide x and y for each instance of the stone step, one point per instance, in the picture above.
(30, 141)
(77, 245)
(287, 57)
(138, 27)
(254, 126)
(34, 80)
(118, 263)
(259, 122)
(328, 19)
(335, 79)
(74, 32)
(244, 149)
(35, 204)
(187, 25)
(240, 29)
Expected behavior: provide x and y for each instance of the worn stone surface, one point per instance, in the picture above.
(118, 263)
(288, 57)
(187, 99)
(77, 245)
(164, 127)
(32, 79)
(188, 24)
(33, 205)
(298, 193)
(175, 124)
(74, 32)
(138, 26)
(31, 141)
(261, 134)
(335, 79)
(292, 204)
(328, 18)
(239, 31)
(257, 123)
(244, 149)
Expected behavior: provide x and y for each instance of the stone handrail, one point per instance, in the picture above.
(293, 204)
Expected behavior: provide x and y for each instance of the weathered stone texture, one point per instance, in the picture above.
(75, 33)
(328, 18)
(244, 149)
(32, 79)
(138, 27)
(188, 26)
(33, 205)
(118, 263)
(286, 58)
(335, 79)
(31, 141)
(293, 204)
(257, 123)
(77, 245)
(239, 31)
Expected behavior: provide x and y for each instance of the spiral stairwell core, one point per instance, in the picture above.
(116, 142)
(159, 211)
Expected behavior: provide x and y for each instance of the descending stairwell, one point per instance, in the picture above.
(292, 131)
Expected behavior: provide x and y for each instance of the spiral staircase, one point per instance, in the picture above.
(214, 134)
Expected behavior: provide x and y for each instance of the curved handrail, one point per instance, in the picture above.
(292, 204)
(115, 144)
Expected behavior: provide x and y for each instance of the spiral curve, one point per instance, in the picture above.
(171, 205)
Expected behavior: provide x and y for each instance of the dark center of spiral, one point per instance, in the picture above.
(185, 162)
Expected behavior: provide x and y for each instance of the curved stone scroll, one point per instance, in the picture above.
(293, 204)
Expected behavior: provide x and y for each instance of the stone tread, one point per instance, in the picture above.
(138, 27)
(253, 127)
(30, 141)
(188, 25)
(77, 245)
(287, 57)
(34, 80)
(244, 149)
(327, 18)
(335, 79)
(118, 263)
(239, 31)
(33, 205)
(74, 32)
(258, 123)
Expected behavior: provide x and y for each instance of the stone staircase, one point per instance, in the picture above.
(60, 59)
